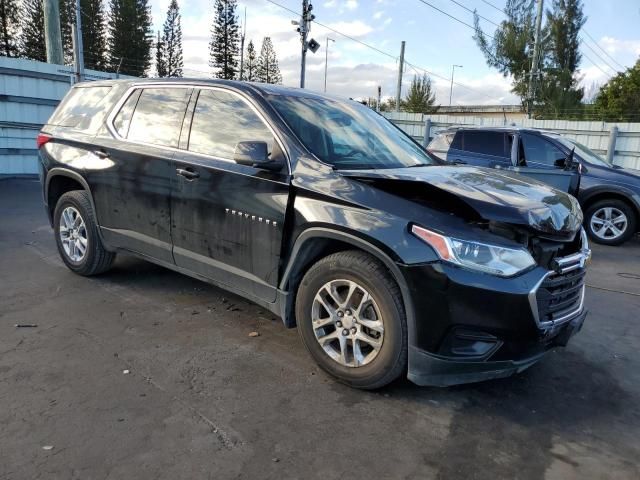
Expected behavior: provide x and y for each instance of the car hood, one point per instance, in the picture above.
(620, 175)
(495, 195)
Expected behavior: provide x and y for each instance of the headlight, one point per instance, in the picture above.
(493, 259)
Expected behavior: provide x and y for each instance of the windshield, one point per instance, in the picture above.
(348, 135)
(584, 152)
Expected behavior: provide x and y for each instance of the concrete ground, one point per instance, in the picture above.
(205, 400)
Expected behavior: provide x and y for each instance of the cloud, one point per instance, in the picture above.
(353, 70)
(614, 45)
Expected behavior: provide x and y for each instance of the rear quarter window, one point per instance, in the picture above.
(486, 143)
(439, 146)
(83, 108)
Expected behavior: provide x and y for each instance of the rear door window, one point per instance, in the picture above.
(158, 115)
(221, 120)
(83, 108)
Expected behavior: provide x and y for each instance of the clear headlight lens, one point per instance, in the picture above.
(493, 259)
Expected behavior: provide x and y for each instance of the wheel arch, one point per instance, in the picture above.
(318, 242)
(60, 181)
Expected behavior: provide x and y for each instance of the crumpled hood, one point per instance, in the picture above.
(495, 195)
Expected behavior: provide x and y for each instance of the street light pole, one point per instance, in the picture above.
(453, 69)
(326, 62)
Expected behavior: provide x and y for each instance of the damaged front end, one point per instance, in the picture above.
(510, 281)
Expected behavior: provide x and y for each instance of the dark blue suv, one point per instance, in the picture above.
(609, 194)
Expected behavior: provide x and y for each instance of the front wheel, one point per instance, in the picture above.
(610, 222)
(351, 319)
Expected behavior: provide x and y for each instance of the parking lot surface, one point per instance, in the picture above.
(203, 399)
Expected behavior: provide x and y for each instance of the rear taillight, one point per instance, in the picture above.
(42, 139)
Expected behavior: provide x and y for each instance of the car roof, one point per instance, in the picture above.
(250, 87)
(506, 128)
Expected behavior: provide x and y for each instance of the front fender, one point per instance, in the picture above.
(362, 244)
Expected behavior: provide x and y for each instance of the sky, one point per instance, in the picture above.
(434, 42)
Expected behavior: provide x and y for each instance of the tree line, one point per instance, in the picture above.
(117, 36)
(557, 92)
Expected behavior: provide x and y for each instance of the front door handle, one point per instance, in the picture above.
(187, 173)
(101, 154)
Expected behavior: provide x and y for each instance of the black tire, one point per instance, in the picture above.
(616, 204)
(96, 259)
(363, 269)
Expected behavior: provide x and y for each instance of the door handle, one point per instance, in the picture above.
(186, 173)
(101, 154)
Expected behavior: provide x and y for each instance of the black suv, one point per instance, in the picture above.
(609, 194)
(325, 213)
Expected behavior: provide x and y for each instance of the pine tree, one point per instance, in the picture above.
(32, 31)
(172, 41)
(94, 41)
(67, 18)
(250, 63)
(161, 64)
(267, 70)
(9, 24)
(225, 36)
(421, 98)
(511, 50)
(130, 37)
(559, 91)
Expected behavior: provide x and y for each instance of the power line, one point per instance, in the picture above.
(603, 50)
(475, 12)
(596, 65)
(452, 17)
(597, 55)
(493, 6)
(387, 54)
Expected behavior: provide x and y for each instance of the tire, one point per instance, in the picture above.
(596, 215)
(367, 366)
(95, 259)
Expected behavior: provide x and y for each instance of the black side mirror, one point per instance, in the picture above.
(255, 154)
(567, 162)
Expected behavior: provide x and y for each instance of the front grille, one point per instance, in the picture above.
(560, 296)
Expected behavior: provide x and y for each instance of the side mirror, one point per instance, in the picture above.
(255, 154)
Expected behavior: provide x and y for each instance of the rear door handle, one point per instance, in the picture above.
(101, 154)
(187, 173)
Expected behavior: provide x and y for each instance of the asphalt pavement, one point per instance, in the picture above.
(143, 373)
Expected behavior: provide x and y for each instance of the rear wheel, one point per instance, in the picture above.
(351, 319)
(77, 236)
(610, 222)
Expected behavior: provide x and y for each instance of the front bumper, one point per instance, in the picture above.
(469, 326)
(429, 369)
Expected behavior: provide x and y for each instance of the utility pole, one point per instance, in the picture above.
(379, 99)
(400, 69)
(244, 30)
(536, 54)
(304, 25)
(453, 69)
(52, 35)
(326, 62)
(78, 49)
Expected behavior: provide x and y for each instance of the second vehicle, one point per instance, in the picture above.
(609, 194)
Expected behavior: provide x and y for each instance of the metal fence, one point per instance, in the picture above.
(29, 92)
(618, 141)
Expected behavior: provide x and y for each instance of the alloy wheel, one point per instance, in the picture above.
(347, 323)
(73, 234)
(608, 223)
